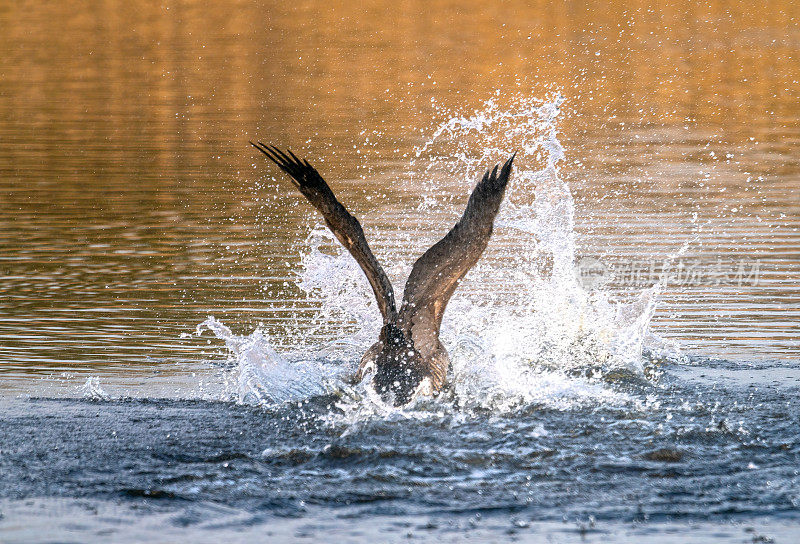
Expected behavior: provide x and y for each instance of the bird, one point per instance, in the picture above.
(408, 359)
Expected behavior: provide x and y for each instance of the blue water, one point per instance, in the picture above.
(683, 450)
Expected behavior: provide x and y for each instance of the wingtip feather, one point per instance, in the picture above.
(507, 166)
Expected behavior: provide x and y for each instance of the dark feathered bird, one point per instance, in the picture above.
(408, 358)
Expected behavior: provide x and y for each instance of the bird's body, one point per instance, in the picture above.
(428, 379)
(408, 359)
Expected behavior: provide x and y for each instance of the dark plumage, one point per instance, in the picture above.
(408, 357)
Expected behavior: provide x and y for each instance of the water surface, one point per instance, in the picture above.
(132, 208)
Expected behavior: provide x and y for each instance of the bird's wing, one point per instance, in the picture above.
(344, 226)
(436, 274)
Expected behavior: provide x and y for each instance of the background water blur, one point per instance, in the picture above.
(131, 206)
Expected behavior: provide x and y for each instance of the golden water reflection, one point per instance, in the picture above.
(127, 202)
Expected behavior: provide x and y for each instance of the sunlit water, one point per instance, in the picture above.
(178, 329)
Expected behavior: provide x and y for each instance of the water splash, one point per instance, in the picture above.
(521, 329)
(93, 391)
(526, 344)
(260, 375)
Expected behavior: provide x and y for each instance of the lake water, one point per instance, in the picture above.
(625, 357)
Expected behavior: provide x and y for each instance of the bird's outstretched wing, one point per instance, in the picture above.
(436, 274)
(344, 226)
